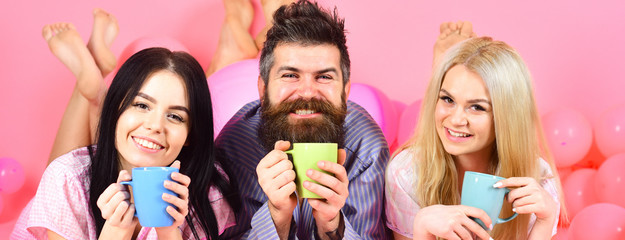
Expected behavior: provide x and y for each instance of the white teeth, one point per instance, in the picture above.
(304, 111)
(455, 134)
(147, 144)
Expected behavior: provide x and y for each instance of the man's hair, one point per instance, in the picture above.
(304, 23)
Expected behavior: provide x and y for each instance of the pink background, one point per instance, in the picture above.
(573, 48)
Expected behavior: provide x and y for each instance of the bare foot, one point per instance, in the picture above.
(66, 44)
(269, 7)
(450, 34)
(235, 41)
(105, 29)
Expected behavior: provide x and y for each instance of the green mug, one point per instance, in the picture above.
(478, 191)
(305, 156)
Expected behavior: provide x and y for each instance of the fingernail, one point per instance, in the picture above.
(490, 227)
(321, 164)
(309, 172)
(165, 196)
(167, 184)
(498, 184)
(514, 209)
(306, 184)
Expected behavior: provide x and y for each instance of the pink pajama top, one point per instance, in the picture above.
(401, 203)
(61, 204)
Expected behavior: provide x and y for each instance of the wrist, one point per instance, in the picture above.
(170, 232)
(335, 229)
(547, 220)
(279, 217)
(112, 232)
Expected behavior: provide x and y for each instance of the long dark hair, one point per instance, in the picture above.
(197, 156)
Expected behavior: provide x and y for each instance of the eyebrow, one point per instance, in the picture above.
(478, 100)
(153, 100)
(294, 69)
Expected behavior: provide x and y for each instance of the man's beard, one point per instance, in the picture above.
(275, 123)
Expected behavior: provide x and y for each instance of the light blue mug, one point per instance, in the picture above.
(478, 191)
(147, 190)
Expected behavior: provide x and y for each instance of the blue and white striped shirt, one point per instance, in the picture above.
(367, 155)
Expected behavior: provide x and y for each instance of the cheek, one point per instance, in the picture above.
(333, 94)
(487, 127)
(280, 93)
(121, 130)
(178, 136)
(440, 112)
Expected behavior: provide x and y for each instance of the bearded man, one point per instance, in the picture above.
(303, 87)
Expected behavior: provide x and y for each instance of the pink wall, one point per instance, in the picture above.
(573, 48)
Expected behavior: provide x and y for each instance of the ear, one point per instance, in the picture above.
(347, 87)
(261, 87)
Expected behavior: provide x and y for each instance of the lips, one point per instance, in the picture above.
(147, 143)
(457, 134)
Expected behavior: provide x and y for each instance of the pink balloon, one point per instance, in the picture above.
(564, 173)
(568, 134)
(408, 122)
(603, 221)
(231, 88)
(562, 234)
(610, 131)
(381, 109)
(1, 204)
(610, 180)
(399, 108)
(11, 175)
(579, 190)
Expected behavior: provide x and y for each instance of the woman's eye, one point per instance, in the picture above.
(176, 117)
(446, 99)
(477, 108)
(141, 105)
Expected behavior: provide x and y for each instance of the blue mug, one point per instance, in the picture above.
(478, 191)
(147, 190)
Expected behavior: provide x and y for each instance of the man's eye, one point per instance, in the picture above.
(289, 75)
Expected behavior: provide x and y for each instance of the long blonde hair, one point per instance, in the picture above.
(519, 138)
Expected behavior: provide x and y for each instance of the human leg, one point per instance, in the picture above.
(235, 41)
(269, 7)
(450, 34)
(105, 29)
(75, 128)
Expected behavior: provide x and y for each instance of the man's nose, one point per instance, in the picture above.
(307, 88)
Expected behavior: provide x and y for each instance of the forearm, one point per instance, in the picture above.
(283, 228)
(333, 231)
(264, 227)
(110, 234)
(362, 212)
(542, 229)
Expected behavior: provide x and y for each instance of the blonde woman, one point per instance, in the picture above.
(478, 114)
